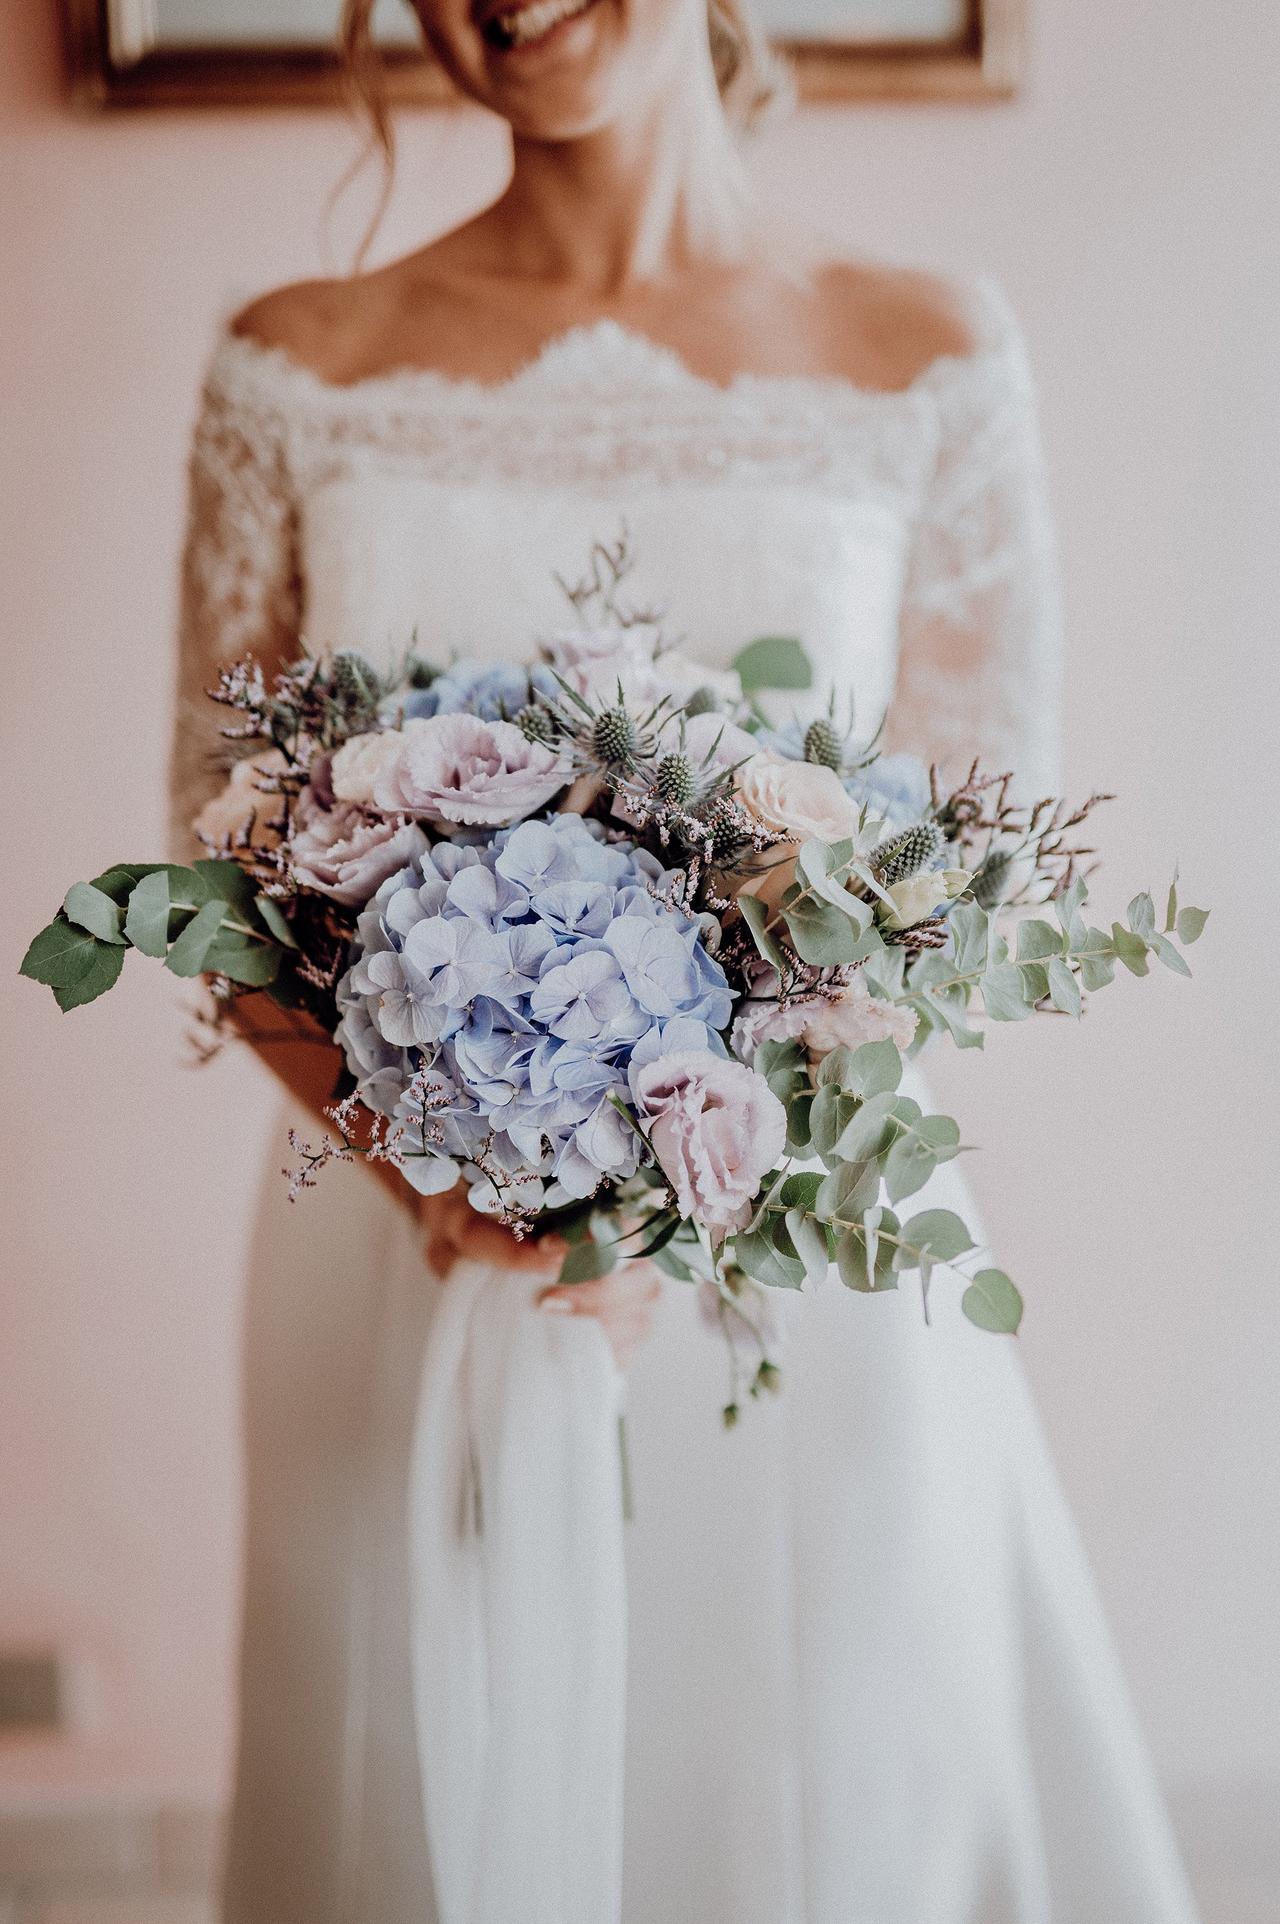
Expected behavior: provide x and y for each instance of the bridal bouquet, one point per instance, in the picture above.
(636, 965)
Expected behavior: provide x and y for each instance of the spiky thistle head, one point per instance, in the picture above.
(535, 723)
(355, 682)
(614, 737)
(906, 854)
(675, 781)
(824, 744)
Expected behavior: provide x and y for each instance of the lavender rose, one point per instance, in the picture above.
(716, 1127)
(459, 771)
(347, 854)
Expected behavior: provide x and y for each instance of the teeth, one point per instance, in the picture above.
(525, 24)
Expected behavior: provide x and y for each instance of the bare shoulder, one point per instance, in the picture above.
(323, 325)
(888, 325)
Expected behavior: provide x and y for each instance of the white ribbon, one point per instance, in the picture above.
(518, 1608)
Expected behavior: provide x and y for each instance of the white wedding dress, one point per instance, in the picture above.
(867, 1678)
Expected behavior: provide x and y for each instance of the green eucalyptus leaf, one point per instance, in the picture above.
(189, 953)
(1163, 949)
(992, 1302)
(938, 1233)
(799, 1119)
(756, 916)
(810, 1244)
(159, 905)
(1130, 949)
(1098, 965)
(1004, 993)
(667, 1260)
(970, 927)
(851, 1188)
(586, 1261)
(101, 975)
(255, 965)
(1142, 915)
(757, 1253)
(800, 1191)
(1190, 924)
(1037, 940)
(774, 661)
(863, 1258)
(119, 881)
(822, 934)
(276, 920)
(229, 883)
(869, 1131)
(60, 955)
(91, 908)
(874, 1069)
(1064, 990)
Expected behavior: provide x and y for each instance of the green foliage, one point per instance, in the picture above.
(992, 1302)
(209, 918)
(587, 1260)
(775, 661)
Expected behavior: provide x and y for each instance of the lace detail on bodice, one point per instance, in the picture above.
(952, 462)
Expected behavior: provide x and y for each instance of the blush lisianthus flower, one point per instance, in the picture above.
(843, 1021)
(716, 1128)
(346, 854)
(458, 771)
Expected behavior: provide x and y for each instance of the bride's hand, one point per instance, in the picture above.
(622, 1303)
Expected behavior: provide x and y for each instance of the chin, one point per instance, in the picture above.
(555, 69)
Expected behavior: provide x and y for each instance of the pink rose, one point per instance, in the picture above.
(247, 806)
(459, 770)
(717, 1129)
(801, 800)
(594, 660)
(347, 854)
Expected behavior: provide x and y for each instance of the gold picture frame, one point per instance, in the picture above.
(117, 60)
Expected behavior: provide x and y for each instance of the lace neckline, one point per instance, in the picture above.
(596, 355)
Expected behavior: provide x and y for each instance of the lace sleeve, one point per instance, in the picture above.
(980, 636)
(240, 588)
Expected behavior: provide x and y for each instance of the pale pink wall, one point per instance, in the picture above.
(1130, 202)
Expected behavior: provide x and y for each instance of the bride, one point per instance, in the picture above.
(867, 1680)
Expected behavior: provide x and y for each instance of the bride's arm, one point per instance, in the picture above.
(980, 654)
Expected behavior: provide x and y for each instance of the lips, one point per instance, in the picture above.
(509, 27)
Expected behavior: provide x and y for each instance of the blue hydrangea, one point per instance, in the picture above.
(525, 976)
(495, 691)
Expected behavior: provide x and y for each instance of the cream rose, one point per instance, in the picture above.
(802, 799)
(360, 764)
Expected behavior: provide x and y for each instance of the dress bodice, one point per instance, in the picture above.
(901, 536)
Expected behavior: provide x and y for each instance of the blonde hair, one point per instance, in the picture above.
(750, 76)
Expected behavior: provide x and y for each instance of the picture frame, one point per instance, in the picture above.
(120, 56)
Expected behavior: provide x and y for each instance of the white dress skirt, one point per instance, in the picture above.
(845, 1665)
